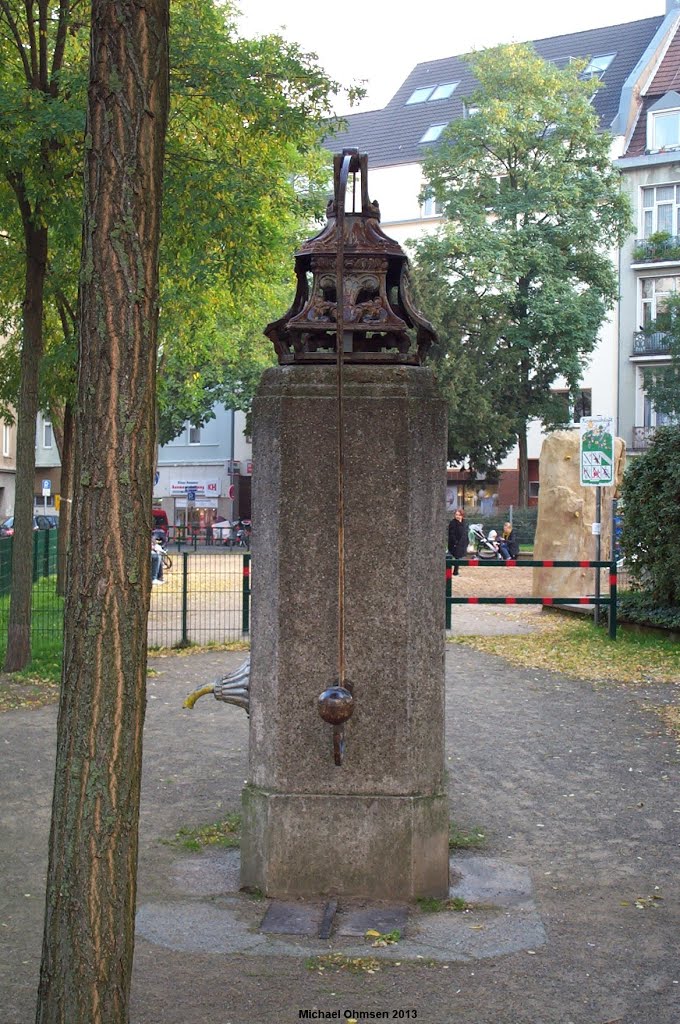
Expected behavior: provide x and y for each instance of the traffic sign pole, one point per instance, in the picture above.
(598, 548)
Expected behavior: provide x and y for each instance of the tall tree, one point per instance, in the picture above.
(89, 923)
(244, 129)
(36, 151)
(532, 205)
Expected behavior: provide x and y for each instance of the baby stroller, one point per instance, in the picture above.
(483, 546)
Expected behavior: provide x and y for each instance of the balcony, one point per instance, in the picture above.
(658, 248)
(642, 438)
(654, 344)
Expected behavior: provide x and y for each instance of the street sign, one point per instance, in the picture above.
(46, 488)
(597, 451)
(191, 494)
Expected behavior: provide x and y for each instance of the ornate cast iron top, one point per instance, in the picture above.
(379, 323)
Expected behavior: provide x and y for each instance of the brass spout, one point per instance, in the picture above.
(233, 688)
(201, 692)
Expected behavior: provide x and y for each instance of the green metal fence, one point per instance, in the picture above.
(205, 595)
(204, 598)
(47, 613)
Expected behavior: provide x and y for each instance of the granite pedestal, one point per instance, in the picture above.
(376, 826)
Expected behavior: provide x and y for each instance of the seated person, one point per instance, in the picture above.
(508, 544)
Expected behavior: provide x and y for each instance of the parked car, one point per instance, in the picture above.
(39, 523)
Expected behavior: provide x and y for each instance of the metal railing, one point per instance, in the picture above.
(654, 344)
(595, 601)
(642, 437)
(205, 596)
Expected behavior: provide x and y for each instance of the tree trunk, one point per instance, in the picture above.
(523, 466)
(63, 425)
(91, 886)
(18, 653)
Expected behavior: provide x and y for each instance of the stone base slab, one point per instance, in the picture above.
(383, 847)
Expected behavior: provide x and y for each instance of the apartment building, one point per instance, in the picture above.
(637, 63)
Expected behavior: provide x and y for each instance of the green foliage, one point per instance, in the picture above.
(244, 172)
(651, 521)
(532, 203)
(641, 608)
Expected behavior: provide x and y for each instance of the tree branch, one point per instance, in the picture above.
(33, 79)
(14, 29)
(60, 44)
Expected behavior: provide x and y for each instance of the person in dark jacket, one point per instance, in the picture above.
(458, 538)
(508, 543)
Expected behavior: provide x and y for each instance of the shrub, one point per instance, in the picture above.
(638, 606)
(651, 521)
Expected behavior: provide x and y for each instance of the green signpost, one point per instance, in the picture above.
(597, 451)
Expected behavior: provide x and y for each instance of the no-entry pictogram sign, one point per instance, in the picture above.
(597, 451)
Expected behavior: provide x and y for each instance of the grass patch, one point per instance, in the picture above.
(579, 649)
(435, 905)
(43, 672)
(465, 839)
(225, 835)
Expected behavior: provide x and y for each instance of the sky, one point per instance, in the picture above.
(382, 40)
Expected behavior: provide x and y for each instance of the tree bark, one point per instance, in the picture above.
(18, 653)
(523, 466)
(91, 886)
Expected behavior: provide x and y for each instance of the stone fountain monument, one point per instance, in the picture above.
(346, 794)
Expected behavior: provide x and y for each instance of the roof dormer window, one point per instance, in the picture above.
(666, 130)
(597, 65)
(432, 92)
(663, 123)
(433, 133)
(420, 95)
(442, 92)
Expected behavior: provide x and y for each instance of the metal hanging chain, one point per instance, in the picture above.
(340, 330)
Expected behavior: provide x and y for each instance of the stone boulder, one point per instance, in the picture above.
(566, 512)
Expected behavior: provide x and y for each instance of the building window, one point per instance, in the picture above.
(419, 95)
(652, 418)
(663, 130)
(442, 92)
(661, 210)
(432, 92)
(6, 437)
(433, 133)
(654, 293)
(430, 207)
(194, 435)
(598, 65)
(47, 434)
(577, 406)
(534, 487)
